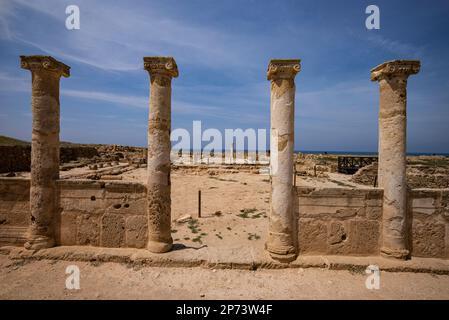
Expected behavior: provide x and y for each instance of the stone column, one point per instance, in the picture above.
(45, 75)
(161, 70)
(281, 244)
(392, 77)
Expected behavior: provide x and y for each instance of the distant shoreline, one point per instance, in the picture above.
(361, 153)
(9, 141)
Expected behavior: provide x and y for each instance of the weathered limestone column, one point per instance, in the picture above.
(280, 243)
(161, 70)
(45, 75)
(392, 77)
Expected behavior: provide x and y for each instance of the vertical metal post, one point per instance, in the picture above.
(199, 203)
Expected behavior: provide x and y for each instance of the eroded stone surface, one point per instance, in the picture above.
(136, 231)
(392, 77)
(428, 239)
(113, 231)
(312, 236)
(280, 243)
(161, 70)
(46, 72)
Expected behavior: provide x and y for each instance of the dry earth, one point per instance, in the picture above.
(46, 280)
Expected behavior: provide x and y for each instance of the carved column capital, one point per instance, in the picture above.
(164, 66)
(44, 63)
(283, 69)
(395, 68)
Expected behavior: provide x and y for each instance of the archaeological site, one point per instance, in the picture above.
(154, 206)
(224, 159)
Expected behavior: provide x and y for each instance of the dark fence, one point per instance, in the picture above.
(350, 164)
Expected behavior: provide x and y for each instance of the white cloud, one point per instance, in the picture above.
(119, 99)
(402, 49)
(116, 38)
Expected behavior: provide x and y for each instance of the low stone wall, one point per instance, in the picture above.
(349, 221)
(339, 221)
(96, 213)
(106, 214)
(14, 210)
(430, 223)
(15, 158)
(72, 153)
(334, 221)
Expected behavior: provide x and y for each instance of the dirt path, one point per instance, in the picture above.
(46, 280)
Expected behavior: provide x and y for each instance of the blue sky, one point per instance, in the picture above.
(222, 49)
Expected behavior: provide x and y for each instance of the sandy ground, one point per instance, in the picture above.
(234, 206)
(46, 280)
(234, 212)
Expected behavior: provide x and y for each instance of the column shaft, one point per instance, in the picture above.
(46, 73)
(392, 164)
(159, 146)
(281, 244)
(392, 77)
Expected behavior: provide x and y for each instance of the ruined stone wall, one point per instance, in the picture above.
(430, 223)
(72, 153)
(107, 214)
(18, 158)
(15, 158)
(14, 210)
(330, 221)
(348, 222)
(339, 221)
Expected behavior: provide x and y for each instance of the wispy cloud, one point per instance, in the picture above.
(115, 38)
(12, 83)
(114, 98)
(222, 50)
(399, 48)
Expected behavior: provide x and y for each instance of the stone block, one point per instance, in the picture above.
(424, 205)
(113, 230)
(81, 191)
(136, 231)
(312, 236)
(90, 204)
(428, 239)
(364, 237)
(323, 211)
(373, 213)
(126, 206)
(116, 190)
(337, 233)
(88, 232)
(15, 214)
(68, 228)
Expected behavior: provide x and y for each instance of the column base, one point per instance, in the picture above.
(159, 246)
(402, 254)
(282, 254)
(36, 242)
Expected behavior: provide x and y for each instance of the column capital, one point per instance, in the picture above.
(45, 63)
(165, 66)
(283, 69)
(395, 68)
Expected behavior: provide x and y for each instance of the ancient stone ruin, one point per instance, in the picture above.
(389, 220)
